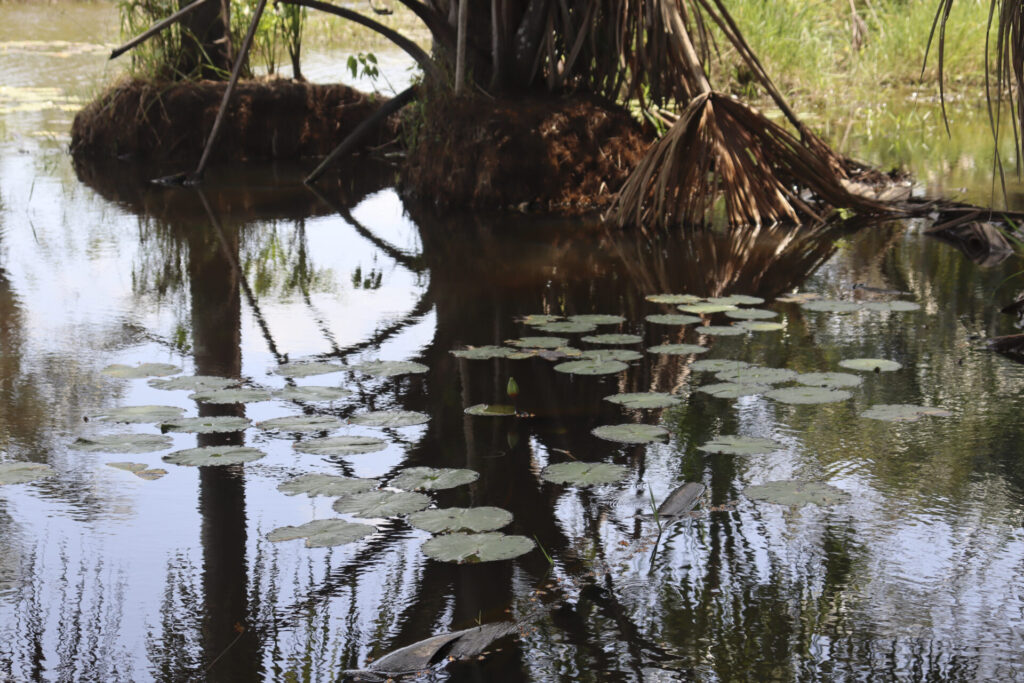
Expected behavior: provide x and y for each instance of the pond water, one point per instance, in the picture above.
(912, 570)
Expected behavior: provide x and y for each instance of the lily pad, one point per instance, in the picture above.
(597, 319)
(808, 395)
(721, 330)
(123, 443)
(473, 548)
(902, 412)
(751, 314)
(323, 533)
(630, 433)
(739, 445)
(674, 299)
(624, 355)
(433, 478)
(140, 414)
(757, 375)
(613, 339)
(706, 308)
(566, 327)
(326, 485)
(833, 380)
(341, 445)
(231, 396)
(539, 342)
(307, 369)
(830, 306)
(301, 423)
(798, 297)
(24, 472)
(734, 389)
(797, 493)
(870, 364)
(583, 473)
(391, 368)
(760, 326)
(677, 349)
(672, 319)
(644, 400)
(539, 319)
(461, 519)
(592, 367)
(193, 383)
(483, 352)
(718, 364)
(737, 300)
(151, 474)
(372, 504)
(311, 393)
(489, 410)
(140, 470)
(214, 456)
(390, 418)
(142, 370)
(892, 306)
(206, 425)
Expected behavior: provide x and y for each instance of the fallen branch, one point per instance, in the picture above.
(156, 28)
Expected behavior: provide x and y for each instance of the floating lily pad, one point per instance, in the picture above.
(311, 393)
(902, 412)
(739, 445)
(630, 433)
(624, 355)
(583, 473)
(390, 418)
(734, 389)
(751, 314)
(674, 299)
(561, 353)
(151, 474)
(122, 443)
(808, 395)
(341, 445)
(382, 503)
(757, 375)
(214, 456)
(677, 349)
(870, 364)
(830, 306)
(539, 342)
(613, 339)
(301, 423)
(592, 367)
(206, 425)
(523, 354)
(391, 368)
(142, 370)
(566, 327)
(461, 519)
(489, 410)
(597, 319)
(798, 297)
(539, 319)
(483, 352)
(433, 478)
(140, 414)
(797, 493)
(834, 380)
(718, 364)
(672, 319)
(721, 330)
(193, 383)
(231, 396)
(323, 533)
(892, 306)
(644, 400)
(476, 547)
(307, 369)
(24, 472)
(736, 300)
(760, 326)
(326, 485)
(139, 469)
(706, 308)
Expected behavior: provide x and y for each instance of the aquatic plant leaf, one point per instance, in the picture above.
(323, 533)
(341, 445)
(597, 319)
(539, 342)
(644, 400)
(214, 456)
(424, 654)
(591, 367)
(674, 299)
(734, 389)
(902, 412)
(583, 473)
(391, 368)
(433, 478)
(372, 504)
(538, 319)
(311, 393)
(472, 520)
(390, 418)
(206, 425)
(892, 306)
(483, 352)
(808, 395)
(706, 308)
(624, 355)
(122, 443)
(797, 493)
(193, 383)
(231, 396)
(523, 354)
(870, 364)
(721, 330)
(834, 380)
(487, 547)
(301, 423)
(798, 297)
(672, 319)
(681, 500)
(24, 472)
(760, 326)
(751, 314)
(151, 474)
(630, 433)
(140, 470)
(677, 349)
(141, 370)
(718, 364)
(736, 300)
(757, 375)
(561, 353)
(491, 410)
(566, 327)
(140, 414)
(613, 339)
(739, 445)
(326, 485)
(307, 369)
(830, 306)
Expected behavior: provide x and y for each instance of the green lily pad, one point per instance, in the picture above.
(231, 396)
(830, 306)
(566, 327)
(24, 472)
(142, 370)
(140, 470)
(706, 308)
(597, 319)
(322, 533)
(902, 412)
(736, 300)
(870, 364)
(140, 414)
(583, 473)
(341, 445)
(311, 394)
(739, 445)
(214, 456)
(326, 485)
(193, 383)
(797, 493)
(630, 433)
(390, 418)
(892, 306)
(718, 365)
(721, 330)
(674, 299)
(307, 369)
(522, 354)
(372, 504)
(672, 319)
(677, 349)
(808, 395)
(734, 389)
(474, 548)
(833, 380)
(539, 319)
(757, 375)
(760, 326)
(206, 425)
(798, 297)
(391, 368)
(301, 423)
(613, 339)
(645, 400)
(539, 342)
(433, 478)
(751, 314)
(122, 443)
(151, 474)
(472, 520)
(624, 355)
(591, 367)
(489, 410)
(483, 352)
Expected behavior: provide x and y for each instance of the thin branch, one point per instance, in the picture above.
(156, 28)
